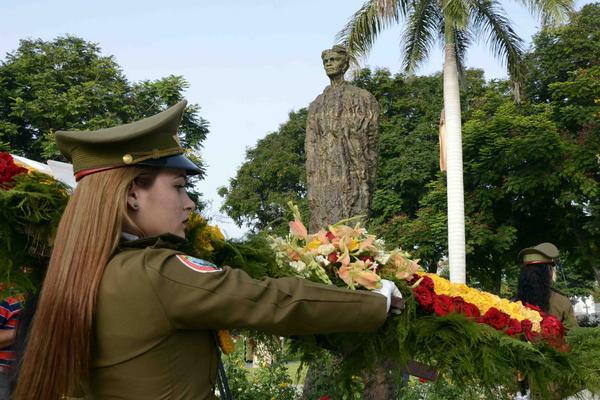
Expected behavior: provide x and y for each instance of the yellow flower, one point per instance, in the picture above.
(353, 246)
(216, 232)
(484, 300)
(314, 245)
(225, 341)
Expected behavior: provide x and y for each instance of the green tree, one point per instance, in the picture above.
(272, 175)
(520, 187)
(455, 24)
(565, 74)
(520, 177)
(558, 53)
(273, 172)
(67, 84)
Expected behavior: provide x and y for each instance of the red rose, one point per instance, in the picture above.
(413, 279)
(332, 257)
(552, 327)
(442, 305)
(496, 319)
(533, 307)
(8, 169)
(326, 397)
(424, 296)
(427, 282)
(458, 304)
(329, 235)
(559, 344)
(514, 327)
(366, 258)
(526, 327)
(471, 311)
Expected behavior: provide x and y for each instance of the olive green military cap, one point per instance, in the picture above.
(542, 253)
(151, 141)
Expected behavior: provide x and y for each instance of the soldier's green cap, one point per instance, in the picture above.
(151, 141)
(543, 253)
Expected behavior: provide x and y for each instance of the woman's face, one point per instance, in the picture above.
(164, 207)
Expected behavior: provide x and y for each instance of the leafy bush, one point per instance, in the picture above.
(596, 294)
(324, 380)
(442, 390)
(267, 383)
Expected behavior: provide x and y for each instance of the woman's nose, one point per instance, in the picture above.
(189, 204)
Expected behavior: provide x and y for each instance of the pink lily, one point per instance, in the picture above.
(404, 267)
(356, 273)
(322, 236)
(367, 246)
(297, 228)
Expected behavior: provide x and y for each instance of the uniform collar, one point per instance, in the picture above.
(167, 240)
(557, 291)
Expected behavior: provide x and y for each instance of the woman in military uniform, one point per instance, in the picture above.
(535, 287)
(535, 283)
(123, 313)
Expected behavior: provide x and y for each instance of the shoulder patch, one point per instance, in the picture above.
(197, 264)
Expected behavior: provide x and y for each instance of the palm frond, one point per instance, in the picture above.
(488, 18)
(418, 35)
(365, 25)
(462, 40)
(550, 12)
(456, 13)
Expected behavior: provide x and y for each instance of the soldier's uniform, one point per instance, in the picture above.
(157, 308)
(559, 304)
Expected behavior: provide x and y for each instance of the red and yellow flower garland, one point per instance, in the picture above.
(8, 169)
(439, 296)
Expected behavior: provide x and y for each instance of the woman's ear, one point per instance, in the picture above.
(133, 197)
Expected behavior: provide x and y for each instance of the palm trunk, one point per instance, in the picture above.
(456, 206)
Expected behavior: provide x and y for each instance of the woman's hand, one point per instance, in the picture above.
(392, 294)
(397, 304)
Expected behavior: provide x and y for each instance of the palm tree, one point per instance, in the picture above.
(453, 23)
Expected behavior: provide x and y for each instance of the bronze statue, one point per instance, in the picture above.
(341, 163)
(341, 146)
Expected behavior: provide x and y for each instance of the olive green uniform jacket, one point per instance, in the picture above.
(560, 306)
(155, 316)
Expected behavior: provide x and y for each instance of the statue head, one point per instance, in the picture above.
(335, 61)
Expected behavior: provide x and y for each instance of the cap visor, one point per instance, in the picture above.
(176, 161)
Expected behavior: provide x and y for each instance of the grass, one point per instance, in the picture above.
(293, 367)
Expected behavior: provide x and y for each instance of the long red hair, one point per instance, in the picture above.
(58, 355)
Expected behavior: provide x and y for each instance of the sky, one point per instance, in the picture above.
(248, 62)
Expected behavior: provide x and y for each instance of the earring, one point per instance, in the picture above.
(135, 206)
